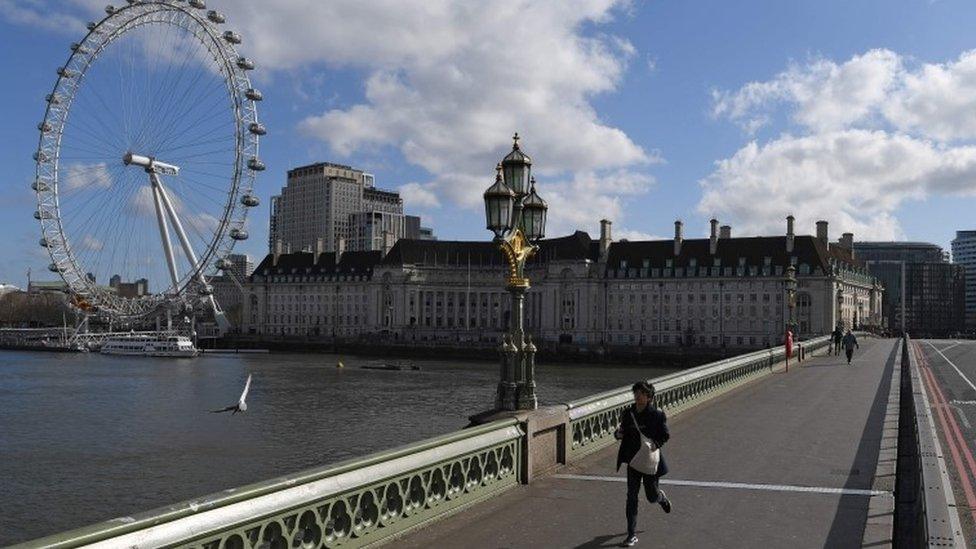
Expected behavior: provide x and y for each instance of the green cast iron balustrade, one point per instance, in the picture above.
(353, 504)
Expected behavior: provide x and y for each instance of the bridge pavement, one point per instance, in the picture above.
(791, 460)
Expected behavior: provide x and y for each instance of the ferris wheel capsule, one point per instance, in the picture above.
(255, 164)
(223, 264)
(43, 243)
(44, 127)
(238, 234)
(244, 63)
(253, 94)
(110, 9)
(55, 268)
(232, 37)
(39, 186)
(257, 129)
(250, 200)
(216, 17)
(199, 4)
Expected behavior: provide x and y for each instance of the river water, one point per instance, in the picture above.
(86, 437)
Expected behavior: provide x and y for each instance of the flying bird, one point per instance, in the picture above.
(241, 405)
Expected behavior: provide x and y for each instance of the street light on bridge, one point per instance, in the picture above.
(517, 216)
(791, 297)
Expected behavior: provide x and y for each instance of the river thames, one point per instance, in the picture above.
(86, 437)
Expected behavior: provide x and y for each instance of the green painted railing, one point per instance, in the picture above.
(351, 504)
(594, 419)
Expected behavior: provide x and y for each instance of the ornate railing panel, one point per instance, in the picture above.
(352, 504)
(594, 419)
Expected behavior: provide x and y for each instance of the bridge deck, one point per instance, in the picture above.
(791, 460)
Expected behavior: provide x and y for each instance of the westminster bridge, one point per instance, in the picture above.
(814, 453)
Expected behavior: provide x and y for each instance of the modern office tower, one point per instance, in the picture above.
(330, 207)
(924, 293)
(964, 253)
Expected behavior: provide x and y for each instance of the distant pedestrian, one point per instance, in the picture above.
(642, 424)
(835, 339)
(849, 343)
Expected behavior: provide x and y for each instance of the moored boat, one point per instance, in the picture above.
(144, 345)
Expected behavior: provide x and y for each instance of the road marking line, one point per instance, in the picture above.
(954, 367)
(962, 416)
(741, 486)
(956, 344)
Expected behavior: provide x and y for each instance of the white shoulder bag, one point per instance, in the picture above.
(648, 454)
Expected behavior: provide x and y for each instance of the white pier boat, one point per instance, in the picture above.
(162, 345)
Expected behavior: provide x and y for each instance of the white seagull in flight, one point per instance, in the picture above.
(241, 406)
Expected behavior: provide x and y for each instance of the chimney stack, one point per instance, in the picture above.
(725, 231)
(340, 248)
(605, 238)
(319, 247)
(678, 236)
(822, 232)
(789, 234)
(713, 239)
(277, 252)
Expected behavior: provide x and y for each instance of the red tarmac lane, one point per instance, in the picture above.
(948, 370)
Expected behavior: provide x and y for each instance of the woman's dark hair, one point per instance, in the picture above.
(644, 387)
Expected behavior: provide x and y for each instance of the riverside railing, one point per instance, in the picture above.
(351, 504)
(594, 419)
(373, 499)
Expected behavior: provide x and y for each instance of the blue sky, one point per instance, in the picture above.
(642, 112)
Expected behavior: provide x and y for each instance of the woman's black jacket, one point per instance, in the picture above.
(653, 423)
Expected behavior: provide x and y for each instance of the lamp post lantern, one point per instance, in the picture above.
(791, 297)
(516, 214)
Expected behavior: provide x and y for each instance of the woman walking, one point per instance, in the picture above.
(642, 425)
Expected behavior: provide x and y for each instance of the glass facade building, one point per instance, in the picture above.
(924, 293)
(964, 253)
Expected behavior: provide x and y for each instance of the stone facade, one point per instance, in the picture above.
(705, 292)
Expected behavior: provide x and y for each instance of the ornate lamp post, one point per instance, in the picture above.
(840, 307)
(791, 297)
(517, 216)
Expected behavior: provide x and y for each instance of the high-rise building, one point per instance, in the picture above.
(924, 293)
(411, 224)
(964, 253)
(336, 204)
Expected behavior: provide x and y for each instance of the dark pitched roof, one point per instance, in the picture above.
(351, 263)
(578, 245)
(807, 249)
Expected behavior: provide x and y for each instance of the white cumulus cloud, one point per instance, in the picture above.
(872, 133)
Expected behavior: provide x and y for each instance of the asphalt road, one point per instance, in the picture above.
(790, 460)
(949, 371)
